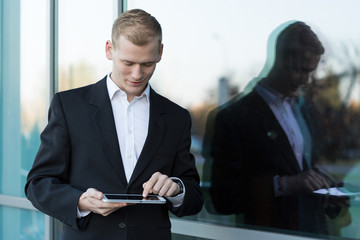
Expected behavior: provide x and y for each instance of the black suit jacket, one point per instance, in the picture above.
(79, 149)
(249, 148)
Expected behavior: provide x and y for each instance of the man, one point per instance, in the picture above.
(117, 136)
(264, 145)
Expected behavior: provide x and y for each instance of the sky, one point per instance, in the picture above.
(203, 39)
(206, 39)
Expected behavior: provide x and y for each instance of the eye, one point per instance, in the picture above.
(126, 63)
(149, 64)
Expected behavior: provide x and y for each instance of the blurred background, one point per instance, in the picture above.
(212, 51)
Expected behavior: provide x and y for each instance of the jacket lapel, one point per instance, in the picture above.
(155, 135)
(104, 121)
(274, 131)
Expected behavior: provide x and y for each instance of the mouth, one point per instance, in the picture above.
(135, 83)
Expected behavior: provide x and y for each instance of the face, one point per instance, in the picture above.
(300, 73)
(133, 65)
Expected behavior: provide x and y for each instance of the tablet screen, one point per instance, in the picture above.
(133, 198)
(338, 192)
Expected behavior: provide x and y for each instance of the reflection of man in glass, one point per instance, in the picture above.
(264, 144)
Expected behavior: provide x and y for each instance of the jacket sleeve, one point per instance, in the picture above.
(47, 184)
(185, 169)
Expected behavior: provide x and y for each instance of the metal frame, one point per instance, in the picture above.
(1, 71)
(53, 86)
(121, 6)
(53, 61)
(179, 226)
(213, 231)
(16, 202)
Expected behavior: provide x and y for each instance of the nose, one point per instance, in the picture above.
(137, 72)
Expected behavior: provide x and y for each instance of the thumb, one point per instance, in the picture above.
(92, 192)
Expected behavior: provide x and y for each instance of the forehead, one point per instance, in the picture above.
(131, 52)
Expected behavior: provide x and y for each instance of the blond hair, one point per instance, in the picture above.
(137, 26)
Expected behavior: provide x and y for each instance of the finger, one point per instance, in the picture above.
(148, 186)
(164, 190)
(146, 190)
(309, 185)
(320, 181)
(161, 182)
(173, 190)
(314, 181)
(312, 184)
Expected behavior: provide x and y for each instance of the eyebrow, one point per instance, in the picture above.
(129, 61)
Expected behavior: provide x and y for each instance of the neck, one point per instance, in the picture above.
(275, 80)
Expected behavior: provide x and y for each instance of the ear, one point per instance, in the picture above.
(109, 50)
(160, 52)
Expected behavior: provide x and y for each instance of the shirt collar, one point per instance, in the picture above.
(113, 88)
(273, 94)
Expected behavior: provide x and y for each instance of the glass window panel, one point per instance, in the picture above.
(34, 79)
(24, 99)
(24, 91)
(82, 37)
(212, 52)
(21, 224)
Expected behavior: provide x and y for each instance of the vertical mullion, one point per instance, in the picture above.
(53, 47)
(53, 87)
(122, 5)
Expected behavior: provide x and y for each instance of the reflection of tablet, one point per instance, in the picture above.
(133, 198)
(337, 192)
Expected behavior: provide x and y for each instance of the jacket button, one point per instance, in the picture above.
(122, 225)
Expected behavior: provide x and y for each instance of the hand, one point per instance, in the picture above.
(336, 201)
(161, 185)
(91, 201)
(305, 182)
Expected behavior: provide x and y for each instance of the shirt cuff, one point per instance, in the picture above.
(280, 186)
(177, 200)
(277, 186)
(82, 213)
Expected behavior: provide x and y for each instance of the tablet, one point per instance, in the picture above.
(337, 192)
(133, 198)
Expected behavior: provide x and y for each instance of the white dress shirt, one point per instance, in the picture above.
(132, 123)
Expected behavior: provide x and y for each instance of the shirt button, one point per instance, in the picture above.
(122, 225)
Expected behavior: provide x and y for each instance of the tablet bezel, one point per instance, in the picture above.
(155, 199)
